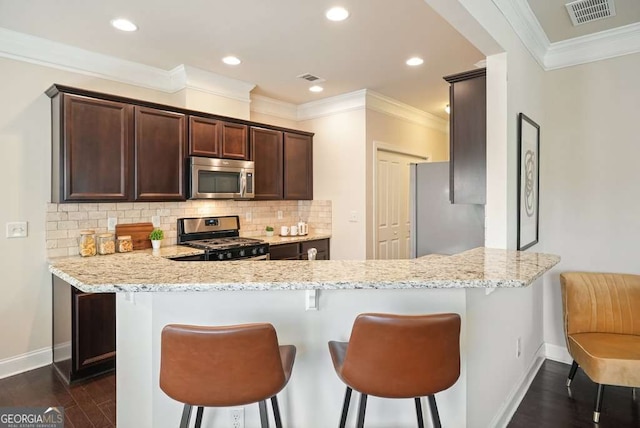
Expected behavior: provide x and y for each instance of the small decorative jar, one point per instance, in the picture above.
(87, 243)
(124, 244)
(106, 244)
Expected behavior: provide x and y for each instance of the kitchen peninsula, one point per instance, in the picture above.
(153, 291)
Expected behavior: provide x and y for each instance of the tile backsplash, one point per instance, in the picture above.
(65, 221)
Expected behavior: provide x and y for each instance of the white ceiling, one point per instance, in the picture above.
(555, 21)
(276, 40)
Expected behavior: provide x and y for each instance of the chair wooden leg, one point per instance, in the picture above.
(419, 412)
(598, 407)
(264, 418)
(345, 408)
(434, 412)
(572, 372)
(186, 415)
(199, 417)
(361, 409)
(276, 411)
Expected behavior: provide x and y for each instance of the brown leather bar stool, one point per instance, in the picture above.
(224, 366)
(399, 356)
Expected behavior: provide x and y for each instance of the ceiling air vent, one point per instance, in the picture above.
(311, 78)
(583, 11)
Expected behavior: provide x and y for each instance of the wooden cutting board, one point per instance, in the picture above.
(139, 233)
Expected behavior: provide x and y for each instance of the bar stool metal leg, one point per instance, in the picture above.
(199, 417)
(361, 409)
(264, 418)
(572, 372)
(434, 412)
(599, 396)
(345, 408)
(419, 412)
(276, 411)
(186, 415)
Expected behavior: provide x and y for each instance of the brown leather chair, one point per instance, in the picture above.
(399, 356)
(224, 366)
(602, 326)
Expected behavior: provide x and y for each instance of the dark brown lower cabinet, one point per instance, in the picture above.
(84, 332)
(298, 250)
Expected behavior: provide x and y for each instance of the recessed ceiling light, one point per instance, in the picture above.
(316, 88)
(231, 60)
(124, 24)
(415, 61)
(337, 14)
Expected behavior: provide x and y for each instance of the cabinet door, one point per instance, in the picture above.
(284, 251)
(94, 159)
(204, 137)
(266, 150)
(298, 166)
(94, 329)
(322, 245)
(468, 149)
(234, 141)
(159, 147)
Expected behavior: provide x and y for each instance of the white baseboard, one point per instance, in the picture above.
(557, 353)
(25, 362)
(510, 405)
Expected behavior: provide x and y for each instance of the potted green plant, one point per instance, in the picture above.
(156, 236)
(269, 230)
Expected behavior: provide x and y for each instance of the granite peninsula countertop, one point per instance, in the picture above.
(144, 271)
(279, 240)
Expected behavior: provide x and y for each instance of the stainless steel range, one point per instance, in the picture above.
(220, 239)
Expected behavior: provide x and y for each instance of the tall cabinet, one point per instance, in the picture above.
(468, 130)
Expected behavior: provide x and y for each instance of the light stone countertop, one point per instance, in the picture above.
(141, 271)
(279, 240)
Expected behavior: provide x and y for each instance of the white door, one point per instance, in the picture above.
(393, 219)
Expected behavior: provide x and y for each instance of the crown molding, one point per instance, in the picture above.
(566, 53)
(36, 50)
(332, 105)
(525, 24)
(594, 47)
(395, 108)
(273, 107)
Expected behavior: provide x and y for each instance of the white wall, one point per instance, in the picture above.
(590, 178)
(339, 156)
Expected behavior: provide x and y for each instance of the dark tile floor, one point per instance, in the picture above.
(546, 404)
(87, 404)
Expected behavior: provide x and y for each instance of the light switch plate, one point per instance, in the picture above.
(111, 223)
(155, 220)
(17, 229)
(279, 215)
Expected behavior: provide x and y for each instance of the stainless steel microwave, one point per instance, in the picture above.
(212, 178)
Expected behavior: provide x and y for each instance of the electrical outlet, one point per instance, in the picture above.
(353, 217)
(17, 229)
(279, 215)
(236, 416)
(248, 216)
(155, 220)
(111, 223)
(518, 347)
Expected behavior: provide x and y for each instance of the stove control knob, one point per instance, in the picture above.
(254, 251)
(220, 256)
(229, 255)
(261, 250)
(241, 253)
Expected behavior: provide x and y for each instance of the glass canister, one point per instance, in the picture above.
(87, 243)
(124, 244)
(106, 244)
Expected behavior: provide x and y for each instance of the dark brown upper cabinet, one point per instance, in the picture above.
(92, 153)
(298, 166)
(217, 139)
(159, 151)
(266, 150)
(467, 133)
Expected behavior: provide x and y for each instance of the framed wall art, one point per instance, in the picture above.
(528, 181)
